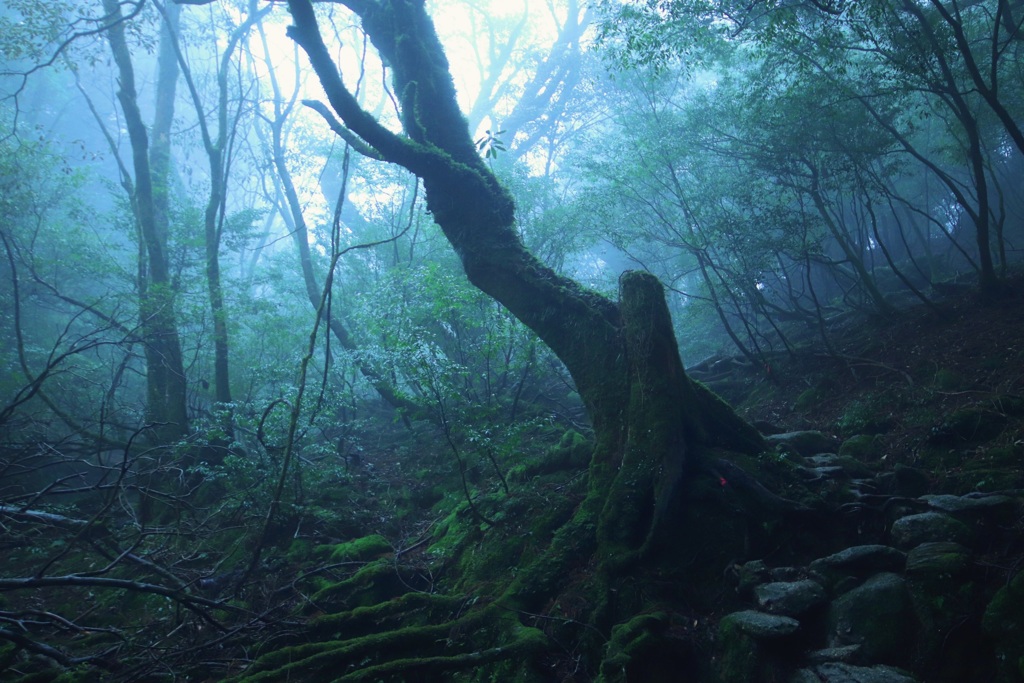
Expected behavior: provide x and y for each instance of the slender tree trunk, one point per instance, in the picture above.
(291, 213)
(165, 377)
(988, 88)
(989, 282)
(856, 262)
(221, 366)
(217, 149)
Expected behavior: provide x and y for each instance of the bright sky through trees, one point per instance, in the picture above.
(474, 34)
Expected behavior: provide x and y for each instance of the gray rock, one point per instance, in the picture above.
(929, 527)
(805, 443)
(876, 615)
(760, 625)
(837, 672)
(750, 574)
(853, 466)
(826, 472)
(786, 573)
(974, 507)
(804, 676)
(861, 559)
(939, 559)
(953, 504)
(791, 598)
(847, 653)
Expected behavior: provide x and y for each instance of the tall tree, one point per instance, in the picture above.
(651, 422)
(165, 377)
(218, 144)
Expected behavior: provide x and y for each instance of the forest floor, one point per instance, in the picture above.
(935, 391)
(908, 381)
(937, 388)
(390, 538)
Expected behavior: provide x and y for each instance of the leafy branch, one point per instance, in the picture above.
(490, 144)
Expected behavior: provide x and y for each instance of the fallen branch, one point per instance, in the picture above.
(192, 602)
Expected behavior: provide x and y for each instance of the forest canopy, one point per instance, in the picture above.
(310, 307)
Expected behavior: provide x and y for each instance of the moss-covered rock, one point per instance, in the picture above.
(948, 647)
(374, 583)
(943, 560)
(862, 447)
(357, 550)
(572, 452)
(910, 481)
(1004, 623)
(745, 644)
(929, 527)
(877, 616)
(968, 425)
(628, 641)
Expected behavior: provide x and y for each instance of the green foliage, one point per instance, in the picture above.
(792, 146)
(240, 228)
(866, 416)
(863, 447)
(358, 550)
(809, 399)
(972, 424)
(490, 144)
(75, 311)
(453, 350)
(739, 164)
(660, 34)
(29, 30)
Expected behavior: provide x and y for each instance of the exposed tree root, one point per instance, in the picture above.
(467, 641)
(526, 642)
(568, 602)
(385, 615)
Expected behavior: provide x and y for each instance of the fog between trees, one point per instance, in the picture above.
(223, 292)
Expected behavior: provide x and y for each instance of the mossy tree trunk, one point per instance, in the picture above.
(647, 415)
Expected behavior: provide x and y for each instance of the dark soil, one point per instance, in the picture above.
(939, 390)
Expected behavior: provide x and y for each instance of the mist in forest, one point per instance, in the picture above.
(248, 311)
